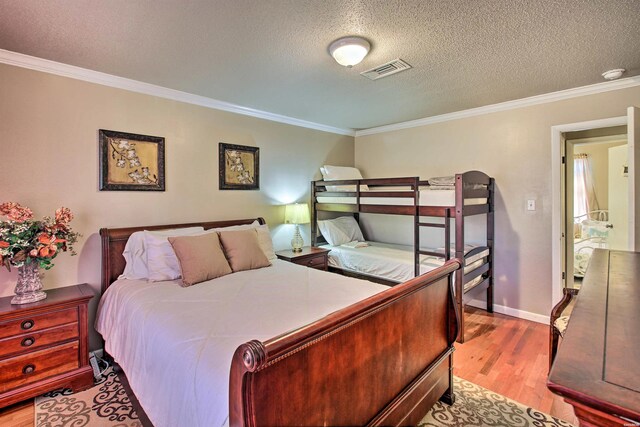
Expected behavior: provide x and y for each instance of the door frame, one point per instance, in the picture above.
(557, 148)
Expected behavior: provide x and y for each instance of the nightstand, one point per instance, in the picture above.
(44, 345)
(310, 256)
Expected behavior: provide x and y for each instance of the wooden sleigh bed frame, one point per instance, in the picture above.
(382, 361)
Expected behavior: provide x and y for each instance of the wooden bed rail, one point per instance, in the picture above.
(382, 361)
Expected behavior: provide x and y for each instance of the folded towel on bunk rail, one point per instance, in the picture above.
(442, 187)
(442, 180)
(355, 244)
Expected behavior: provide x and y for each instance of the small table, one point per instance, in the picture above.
(310, 256)
(597, 368)
(44, 345)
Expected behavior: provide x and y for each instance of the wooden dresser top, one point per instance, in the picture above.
(598, 362)
(58, 296)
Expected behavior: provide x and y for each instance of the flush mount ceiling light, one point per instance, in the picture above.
(613, 74)
(349, 51)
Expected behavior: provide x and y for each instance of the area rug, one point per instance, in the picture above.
(107, 405)
(477, 406)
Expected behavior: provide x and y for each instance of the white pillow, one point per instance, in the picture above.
(335, 173)
(341, 230)
(264, 240)
(135, 253)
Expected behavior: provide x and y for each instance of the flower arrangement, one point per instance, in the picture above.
(24, 241)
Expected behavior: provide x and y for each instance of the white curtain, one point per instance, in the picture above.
(584, 191)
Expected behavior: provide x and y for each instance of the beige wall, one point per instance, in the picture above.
(514, 147)
(49, 158)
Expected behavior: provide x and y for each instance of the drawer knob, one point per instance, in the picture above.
(27, 324)
(28, 369)
(28, 341)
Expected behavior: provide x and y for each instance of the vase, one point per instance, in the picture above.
(29, 286)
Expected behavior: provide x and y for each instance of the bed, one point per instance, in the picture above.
(449, 200)
(591, 232)
(394, 263)
(347, 352)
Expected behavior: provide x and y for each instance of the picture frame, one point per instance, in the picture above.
(239, 167)
(131, 162)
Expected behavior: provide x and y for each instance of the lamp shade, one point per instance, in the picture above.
(297, 213)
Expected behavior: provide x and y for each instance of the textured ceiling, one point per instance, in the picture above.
(272, 55)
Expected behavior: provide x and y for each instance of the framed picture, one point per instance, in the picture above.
(131, 162)
(239, 167)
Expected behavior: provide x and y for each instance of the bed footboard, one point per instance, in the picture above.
(382, 361)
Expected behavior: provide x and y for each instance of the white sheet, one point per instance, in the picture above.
(391, 262)
(176, 344)
(427, 197)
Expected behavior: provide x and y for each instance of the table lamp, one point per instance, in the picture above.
(297, 213)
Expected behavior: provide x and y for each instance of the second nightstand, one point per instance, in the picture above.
(310, 256)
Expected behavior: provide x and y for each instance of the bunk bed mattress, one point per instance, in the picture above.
(427, 197)
(176, 344)
(393, 262)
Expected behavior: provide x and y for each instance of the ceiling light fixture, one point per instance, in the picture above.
(613, 74)
(349, 51)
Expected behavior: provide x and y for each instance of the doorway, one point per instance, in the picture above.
(596, 196)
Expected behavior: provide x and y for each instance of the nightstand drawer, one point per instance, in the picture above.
(29, 324)
(319, 262)
(31, 341)
(26, 369)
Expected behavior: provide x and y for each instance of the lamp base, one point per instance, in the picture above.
(297, 242)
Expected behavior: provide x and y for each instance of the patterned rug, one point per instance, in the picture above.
(107, 405)
(477, 406)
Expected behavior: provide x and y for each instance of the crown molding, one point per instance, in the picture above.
(509, 105)
(78, 73)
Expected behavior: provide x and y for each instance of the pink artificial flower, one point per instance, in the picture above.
(33, 253)
(16, 212)
(64, 215)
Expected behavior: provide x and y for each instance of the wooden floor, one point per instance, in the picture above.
(509, 356)
(501, 353)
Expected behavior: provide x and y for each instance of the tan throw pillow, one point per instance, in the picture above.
(200, 257)
(243, 250)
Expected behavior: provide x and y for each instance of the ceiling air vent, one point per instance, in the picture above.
(387, 69)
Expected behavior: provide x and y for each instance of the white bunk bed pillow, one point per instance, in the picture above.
(341, 230)
(336, 173)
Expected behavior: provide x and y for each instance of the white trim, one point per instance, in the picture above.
(513, 312)
(556, 202)
(78, 73)
(509, 105)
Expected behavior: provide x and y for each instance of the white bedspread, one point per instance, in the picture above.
(390, 261)
(428, 196)
(176, 344)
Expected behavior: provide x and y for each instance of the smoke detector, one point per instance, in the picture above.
(613, 74)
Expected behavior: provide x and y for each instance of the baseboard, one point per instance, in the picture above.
(521, 314)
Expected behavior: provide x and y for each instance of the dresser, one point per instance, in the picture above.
(310, 256)
(44, 345)
(597, 368)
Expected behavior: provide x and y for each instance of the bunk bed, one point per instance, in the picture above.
(472, 193)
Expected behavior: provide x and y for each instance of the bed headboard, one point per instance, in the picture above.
(115, 239)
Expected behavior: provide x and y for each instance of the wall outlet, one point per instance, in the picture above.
(531, 205)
